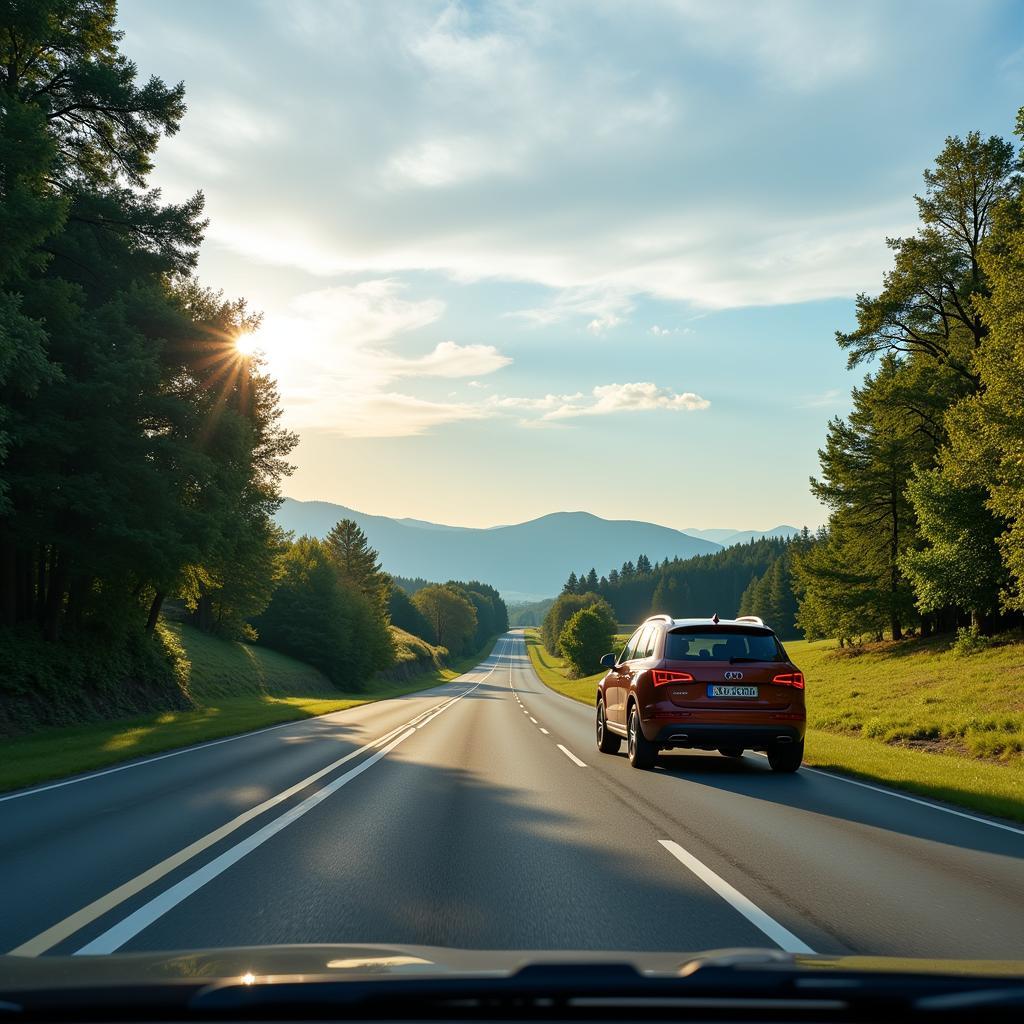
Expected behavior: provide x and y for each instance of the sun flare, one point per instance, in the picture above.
(245, 344)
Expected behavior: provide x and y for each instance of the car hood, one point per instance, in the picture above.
(297, 963)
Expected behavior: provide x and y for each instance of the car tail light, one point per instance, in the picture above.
(662, 676)
(794, 679)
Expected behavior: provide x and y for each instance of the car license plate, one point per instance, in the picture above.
(732, 691)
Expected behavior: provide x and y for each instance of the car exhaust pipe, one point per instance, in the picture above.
(783, 739)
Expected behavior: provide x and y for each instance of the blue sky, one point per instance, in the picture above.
(522, 257)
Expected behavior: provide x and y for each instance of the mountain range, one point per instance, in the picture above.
(525, 561)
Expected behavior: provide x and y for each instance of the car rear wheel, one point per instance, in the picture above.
(731, 751)
(786, 757)
(642, 752)
(607, 741)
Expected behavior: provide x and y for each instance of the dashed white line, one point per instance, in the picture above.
(780, 935)
(543, 730)
(572, 757)
(534, 720)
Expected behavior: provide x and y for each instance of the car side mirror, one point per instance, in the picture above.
(609, 661)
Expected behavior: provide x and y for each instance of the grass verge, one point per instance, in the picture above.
(918, 685)
(553, 672)
(238, 688)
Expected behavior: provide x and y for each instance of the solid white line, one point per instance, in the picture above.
(196, 747)
(92, 911)
(114, 938)
(572, 757)
(782, 937)
(543, 730)
(917, 800)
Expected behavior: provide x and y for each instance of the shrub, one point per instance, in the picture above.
(563, 609)
(585, 638)
(969, 640)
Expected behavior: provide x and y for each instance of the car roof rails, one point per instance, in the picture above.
(755, 619)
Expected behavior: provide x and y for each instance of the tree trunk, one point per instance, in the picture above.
(154, 611)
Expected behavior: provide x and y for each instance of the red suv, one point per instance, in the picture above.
(709, 684)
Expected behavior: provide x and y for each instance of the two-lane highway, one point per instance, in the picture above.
(480, 814)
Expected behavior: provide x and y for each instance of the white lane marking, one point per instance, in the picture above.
(534, 720)
(543, 730)
(115, 937)
(196, 747)
(917, 800)
(780, 935)
(68, 926)
(572, 757)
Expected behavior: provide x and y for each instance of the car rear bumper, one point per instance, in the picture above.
(711, 737)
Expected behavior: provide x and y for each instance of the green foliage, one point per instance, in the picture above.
(585, 638)
(969, 640)
(357, 563)
(692, 587)
(562, 609)
(491, 613)
(315, 616)
(450, 615)
(961, 564)
(91, 676)
(529, 614)
(771, 597)
(405, 615)
(987, 429)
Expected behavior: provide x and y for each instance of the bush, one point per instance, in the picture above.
(92, 674)
(317, 618)
(563, 609)
(585, 638)
(969, 640)
(451, 616)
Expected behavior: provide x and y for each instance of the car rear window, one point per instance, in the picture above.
(722, 645)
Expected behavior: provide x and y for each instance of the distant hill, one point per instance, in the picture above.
(527, 561)
(729, 537)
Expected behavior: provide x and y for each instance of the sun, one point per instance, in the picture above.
(245, 344)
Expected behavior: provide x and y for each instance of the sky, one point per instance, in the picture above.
(516, 258)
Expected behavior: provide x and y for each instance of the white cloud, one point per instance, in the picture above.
(523, 142)
(448, 359)
(637, 397)
(664, 332)
(330, 353)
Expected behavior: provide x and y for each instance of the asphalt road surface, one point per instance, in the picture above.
(479, 814)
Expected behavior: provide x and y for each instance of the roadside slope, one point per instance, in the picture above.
(234, 688)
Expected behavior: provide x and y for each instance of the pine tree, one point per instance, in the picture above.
(643, 565)
(592, 580)
(572, 585)
(357, 563)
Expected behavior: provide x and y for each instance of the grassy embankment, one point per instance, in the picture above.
(233, 688)
(913, 715)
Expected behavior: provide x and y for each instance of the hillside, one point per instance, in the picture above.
(526, 561)
(225, 688)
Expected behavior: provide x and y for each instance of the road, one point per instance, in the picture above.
(480, 814)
